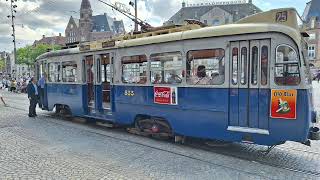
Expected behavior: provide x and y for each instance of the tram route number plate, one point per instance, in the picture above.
(166, 95)
(284, 104)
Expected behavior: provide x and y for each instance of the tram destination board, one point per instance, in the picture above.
(108, 44)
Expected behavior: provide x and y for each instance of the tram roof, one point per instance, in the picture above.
(278, 20)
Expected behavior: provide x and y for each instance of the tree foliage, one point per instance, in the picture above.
(2, 64)
(28, 54)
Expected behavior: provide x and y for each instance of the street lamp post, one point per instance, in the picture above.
(13, 6)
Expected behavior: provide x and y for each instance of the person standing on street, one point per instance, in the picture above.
(41, 85)
(1, 97)
(318, 76)
(33, 94)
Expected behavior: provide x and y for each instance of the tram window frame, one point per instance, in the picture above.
(98, 72)
(243, 70)
(287, 65)
(254, 65)
(142, 61)
(175, 73)
(56, 72)
(218, 54)
(106, 69)
(64, 70)
(264, 65)
(235, 65)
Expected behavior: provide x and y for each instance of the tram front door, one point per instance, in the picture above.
(89, 69)
(104, 79)
(249, 86)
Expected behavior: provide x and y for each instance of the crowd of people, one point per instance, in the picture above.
(16, 85)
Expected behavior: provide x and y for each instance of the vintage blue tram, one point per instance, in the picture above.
(245, 82)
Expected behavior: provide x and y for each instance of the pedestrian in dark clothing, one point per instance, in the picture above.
(41, 85)
(33, 95)
(318, 76)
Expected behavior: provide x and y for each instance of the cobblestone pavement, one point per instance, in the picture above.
(51, 148)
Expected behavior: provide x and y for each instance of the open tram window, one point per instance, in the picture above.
(235, 58)
(54, 72)
(264, 65)
(166, 68)
(134, 69)
(69, 72)
(287, 66)
(206, 67)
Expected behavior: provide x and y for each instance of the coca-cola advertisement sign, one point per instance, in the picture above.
(166, 95)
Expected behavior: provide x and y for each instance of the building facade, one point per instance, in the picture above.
(311, 17)
(54, 40)
(90, 28)
(216, 13)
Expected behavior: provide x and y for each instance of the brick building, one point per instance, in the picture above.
(215, 13)
(54, 40)
(311, 17)
(90, 28)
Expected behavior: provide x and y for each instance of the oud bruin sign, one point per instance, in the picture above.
(284, 104)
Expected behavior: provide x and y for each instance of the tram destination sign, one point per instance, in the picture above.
(166, 95)
(108, 44)
(284, 104)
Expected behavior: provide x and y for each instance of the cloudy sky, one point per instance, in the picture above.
(35, 18)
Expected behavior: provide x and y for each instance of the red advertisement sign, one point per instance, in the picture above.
(284, 104)
(165, 95)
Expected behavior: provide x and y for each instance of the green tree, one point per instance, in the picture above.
(2, 64)
(29, 54)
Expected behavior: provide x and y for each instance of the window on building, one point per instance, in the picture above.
(206, 67)
(312, 51)
(287, 66)
(134, 69)
(166, 68)
(216, 22)
(69, 72)
(54, 72)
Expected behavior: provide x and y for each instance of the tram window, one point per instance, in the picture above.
(287, 66)
(264, 65)
(134, 69)
(235, 57)
(98, 70)
(243, 65)
(54, 72)
(166, 68)
(105, 69)
(254, 66)
(206, 67)
(69, 72)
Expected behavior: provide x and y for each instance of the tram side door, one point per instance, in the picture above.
(89, 70)
(249, 86)
(104, 81)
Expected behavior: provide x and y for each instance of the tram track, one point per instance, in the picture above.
(204, 147)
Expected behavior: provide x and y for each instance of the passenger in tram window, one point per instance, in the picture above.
(157, 79)
(215, 79)
(174, 78)
(201, 77)
(143, 78)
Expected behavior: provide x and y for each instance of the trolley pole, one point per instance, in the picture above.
(136, 15)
